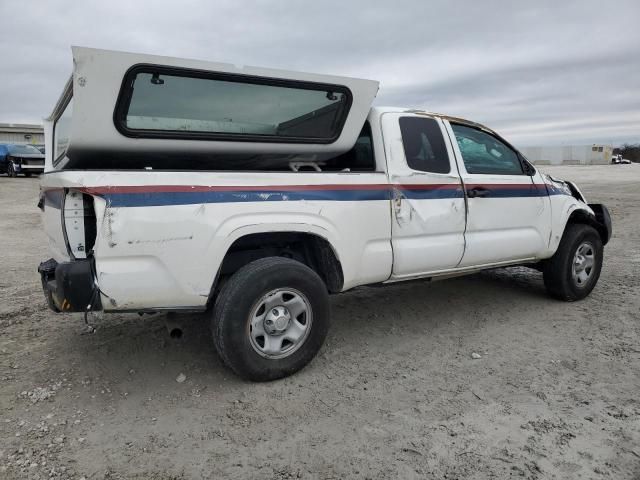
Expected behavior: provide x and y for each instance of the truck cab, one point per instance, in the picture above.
(251, 194)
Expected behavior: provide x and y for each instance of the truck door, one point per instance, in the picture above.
(427, 197)
(508, 212)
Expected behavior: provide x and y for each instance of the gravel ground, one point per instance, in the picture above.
(394, 393)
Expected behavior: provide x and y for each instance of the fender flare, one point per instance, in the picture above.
(221, 248)
(595, 215)
(603, 221)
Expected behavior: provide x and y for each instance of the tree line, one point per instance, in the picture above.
(630, 151)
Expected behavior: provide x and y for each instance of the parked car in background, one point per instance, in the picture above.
(40, 146)
(25, 159)
(618, 160)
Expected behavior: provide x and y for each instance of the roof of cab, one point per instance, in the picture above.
(379, 110)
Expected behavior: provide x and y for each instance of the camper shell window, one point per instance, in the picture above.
(167, 102)
(62, 132)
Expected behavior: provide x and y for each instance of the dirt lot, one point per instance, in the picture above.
(394, 393)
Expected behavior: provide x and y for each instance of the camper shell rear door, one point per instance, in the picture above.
(163, 109)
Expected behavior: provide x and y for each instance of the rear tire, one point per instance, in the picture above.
(270, 318)
(573, 271)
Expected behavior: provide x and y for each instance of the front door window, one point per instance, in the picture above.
(483, 153)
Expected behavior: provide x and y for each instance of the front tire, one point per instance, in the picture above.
(573, 271)
(11, 170)
(270, 318)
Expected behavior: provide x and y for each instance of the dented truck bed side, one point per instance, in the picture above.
(161, 238)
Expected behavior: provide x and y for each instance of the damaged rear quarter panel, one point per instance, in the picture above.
(163, 256)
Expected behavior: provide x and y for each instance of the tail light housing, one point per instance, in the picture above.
(79, 224)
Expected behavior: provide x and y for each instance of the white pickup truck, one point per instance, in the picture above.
(252, 194)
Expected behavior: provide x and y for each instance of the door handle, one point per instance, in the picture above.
(478, 192)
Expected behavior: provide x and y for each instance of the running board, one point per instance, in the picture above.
(452, 272)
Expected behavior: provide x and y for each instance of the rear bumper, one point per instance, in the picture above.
(29, 168)
(70, 286)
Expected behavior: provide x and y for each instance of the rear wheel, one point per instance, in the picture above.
(574, 269)
(270, 318)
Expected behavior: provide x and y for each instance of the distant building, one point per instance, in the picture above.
(21, 133)
(569, 155)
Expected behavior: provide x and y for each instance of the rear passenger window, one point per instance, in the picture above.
(359, 159)
(483, 153)
(424, 146)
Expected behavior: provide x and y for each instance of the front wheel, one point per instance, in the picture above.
(11, 170)
(574, 269)
(270, 318)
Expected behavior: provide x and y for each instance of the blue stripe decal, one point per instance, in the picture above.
(515, 192)
(553, 190)
(192, 198)
(414, 194)
(53, 198)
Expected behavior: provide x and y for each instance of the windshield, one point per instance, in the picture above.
(23, 150)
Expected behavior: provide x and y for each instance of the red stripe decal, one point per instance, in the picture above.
(101, 190)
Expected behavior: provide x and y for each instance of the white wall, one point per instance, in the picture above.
(18, 137)
(569, 155)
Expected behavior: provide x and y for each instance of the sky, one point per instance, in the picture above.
(539, 72)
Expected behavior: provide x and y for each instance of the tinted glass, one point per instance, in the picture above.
(424, 146)
(62, 131)
(174, 103)
(23, 150)
(485, 154)
(359, 159)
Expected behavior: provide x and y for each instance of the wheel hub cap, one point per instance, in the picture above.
(277, 320)
(583, 263)
(279, 323)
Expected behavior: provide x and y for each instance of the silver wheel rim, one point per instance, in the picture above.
(583, 264)
(279, 323)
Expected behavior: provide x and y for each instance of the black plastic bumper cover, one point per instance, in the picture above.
(604, 221)
(70, 286)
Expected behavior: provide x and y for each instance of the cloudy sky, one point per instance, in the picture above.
(545, 72)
